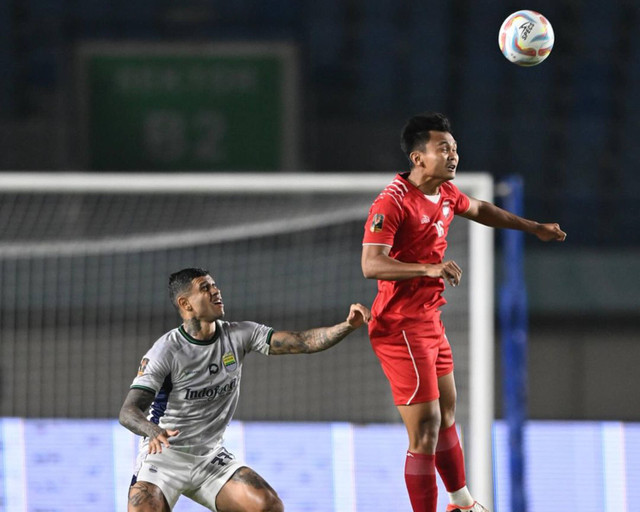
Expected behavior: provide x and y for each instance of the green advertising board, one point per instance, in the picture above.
(188, 107)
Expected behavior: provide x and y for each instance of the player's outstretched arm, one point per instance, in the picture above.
(495, 217)
(132, 416)
(321, 338)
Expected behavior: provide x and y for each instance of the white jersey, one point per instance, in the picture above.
(197, 383)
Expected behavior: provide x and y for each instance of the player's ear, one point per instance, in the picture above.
(416, 158)
(183, 303)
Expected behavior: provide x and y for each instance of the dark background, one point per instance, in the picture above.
(567, 126)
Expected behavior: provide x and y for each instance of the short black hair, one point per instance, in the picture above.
(415, 133)
(180, 282)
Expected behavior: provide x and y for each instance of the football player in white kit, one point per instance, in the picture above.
(189, 384)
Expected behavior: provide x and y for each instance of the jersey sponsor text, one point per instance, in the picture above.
(211, 393)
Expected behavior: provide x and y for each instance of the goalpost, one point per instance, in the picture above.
(84, 260)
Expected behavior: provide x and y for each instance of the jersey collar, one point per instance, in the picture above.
(415, 190)
(191, 339)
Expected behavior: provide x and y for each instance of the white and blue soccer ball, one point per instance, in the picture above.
(526, 38)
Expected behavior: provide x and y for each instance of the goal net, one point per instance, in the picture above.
(84, 264)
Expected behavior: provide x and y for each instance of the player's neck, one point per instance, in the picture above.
(426, 184)
(199, 329)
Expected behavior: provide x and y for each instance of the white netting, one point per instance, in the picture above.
(84, 262)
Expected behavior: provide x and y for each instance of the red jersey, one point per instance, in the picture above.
(415, 226)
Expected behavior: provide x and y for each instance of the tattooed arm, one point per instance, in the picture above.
(132, 416)
(321, 338)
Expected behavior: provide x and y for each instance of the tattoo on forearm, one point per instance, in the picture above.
(139, 426)
(192, 326)
(306, 342)
(132, 414)
(250, 477)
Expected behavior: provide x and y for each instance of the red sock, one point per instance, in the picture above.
(420, 476)
(450, 460)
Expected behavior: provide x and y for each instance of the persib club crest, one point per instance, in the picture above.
(229, 362)
(376, 223)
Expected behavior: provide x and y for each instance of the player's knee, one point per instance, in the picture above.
(425, 437)
(429, 431)
(448, 416)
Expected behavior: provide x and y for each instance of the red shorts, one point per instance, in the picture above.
(413, 363)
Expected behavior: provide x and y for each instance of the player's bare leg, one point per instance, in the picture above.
(247, 491)
(146, 497)
(449, 456)
(422, 421)
(448, 398)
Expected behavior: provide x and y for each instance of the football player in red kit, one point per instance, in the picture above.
(403, 248)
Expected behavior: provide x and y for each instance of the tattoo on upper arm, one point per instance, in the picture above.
(140, 398)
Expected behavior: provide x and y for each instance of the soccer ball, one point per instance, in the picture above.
(526, 38)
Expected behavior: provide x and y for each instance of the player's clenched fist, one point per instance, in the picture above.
(448, 270)
(550, 232)
(358, 315)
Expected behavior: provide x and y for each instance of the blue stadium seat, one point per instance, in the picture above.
(141, 12)
(8, 76)
(280, 14)
(93, 11)
(376, 60)
(43, 66)
(627, 158)
(39, 9)
(325, 28)
(428, 55)
(477, 84)
(526, 97)
(588, 130)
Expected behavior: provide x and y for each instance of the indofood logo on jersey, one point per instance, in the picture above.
(213, 392)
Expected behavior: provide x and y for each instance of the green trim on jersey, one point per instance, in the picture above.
(191, 339)
(269, 337)
(143, 387)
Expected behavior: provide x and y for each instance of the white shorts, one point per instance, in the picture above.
(199, 477)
